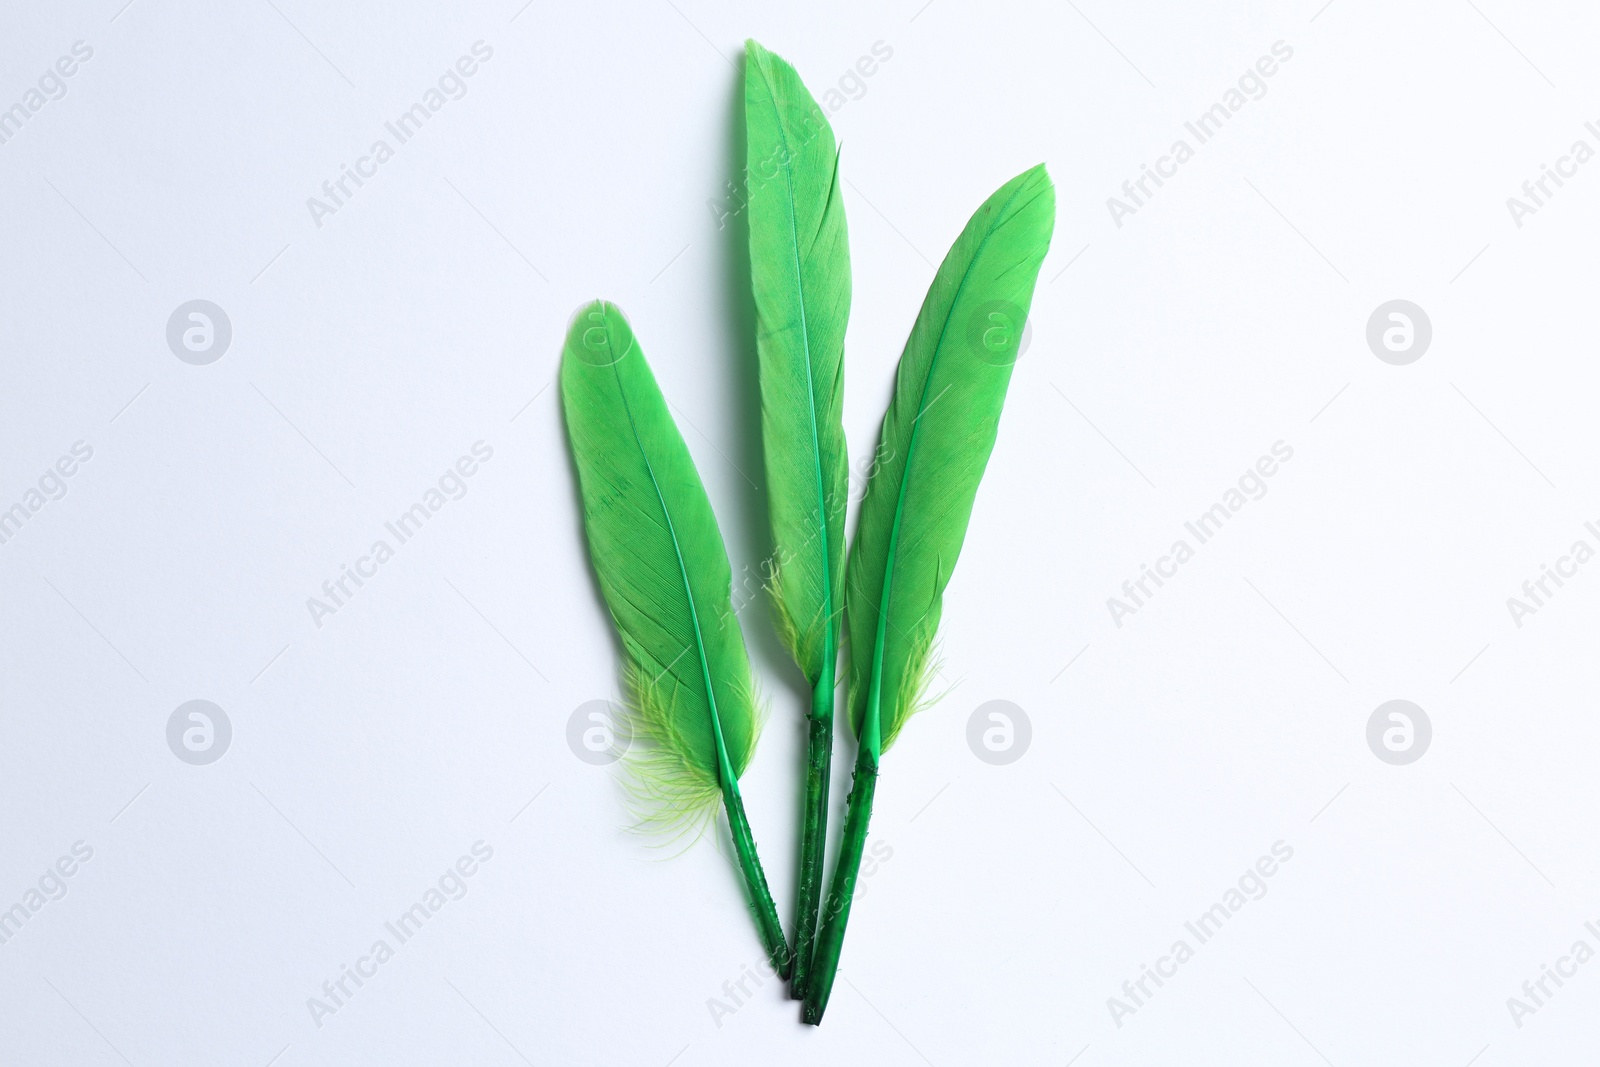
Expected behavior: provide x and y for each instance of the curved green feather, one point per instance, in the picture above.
(663, 572)
(937, 435)
(800, 274)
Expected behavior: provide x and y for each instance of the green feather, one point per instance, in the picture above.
(800, 278)
(935, 443)
(800, 274)
(662, 567)
(664, 574)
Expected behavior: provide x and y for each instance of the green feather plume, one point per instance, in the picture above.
(800, 278)
(664, 574)
(662, 567)
(800, 274)
(935, 443)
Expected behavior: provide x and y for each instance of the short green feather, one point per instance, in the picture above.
(663, 570)
(936, 438)
(664, 574)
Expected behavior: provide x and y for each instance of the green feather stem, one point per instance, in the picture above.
(800, 277)
(664, 574)
(937, 435)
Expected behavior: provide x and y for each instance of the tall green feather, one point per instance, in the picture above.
(664, 574)
(935, 443)
(800, 276)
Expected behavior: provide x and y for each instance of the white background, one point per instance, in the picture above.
(1168, 354)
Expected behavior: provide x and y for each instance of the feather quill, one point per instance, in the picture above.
(936, 439)
(800, 277)
(664, 574)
